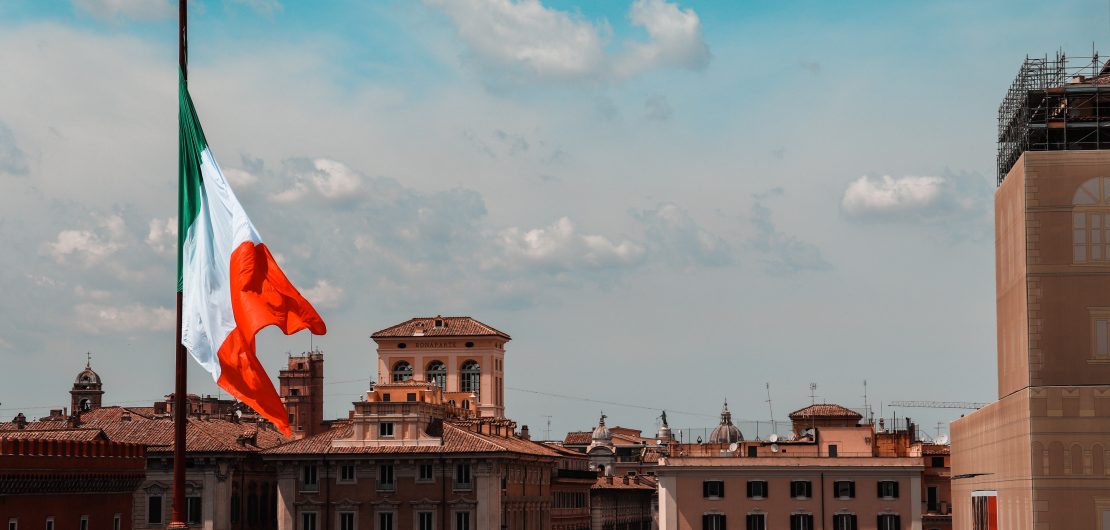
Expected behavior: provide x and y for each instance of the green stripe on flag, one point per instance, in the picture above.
(191, 144)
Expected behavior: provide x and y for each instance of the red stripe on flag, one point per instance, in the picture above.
(261, 296)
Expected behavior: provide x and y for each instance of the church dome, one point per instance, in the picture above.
(87, 377)
(726, 432)
(601, 435)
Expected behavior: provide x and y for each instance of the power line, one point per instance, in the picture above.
(616, 403)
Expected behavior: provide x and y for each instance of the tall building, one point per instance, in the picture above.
(301, 386)
(458, 354)
(1036, 458)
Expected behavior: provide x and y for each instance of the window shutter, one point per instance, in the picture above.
(896, 490)
(879, 489)
(897, 521)
(721, 488)
(724, 524)
(852, 489)
(705, 488)
(750, 489)
(705, 522)
(879, 523)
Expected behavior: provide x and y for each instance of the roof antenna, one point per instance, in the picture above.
(813, 393)
(774, 426)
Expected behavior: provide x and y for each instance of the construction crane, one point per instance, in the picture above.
(968, 405)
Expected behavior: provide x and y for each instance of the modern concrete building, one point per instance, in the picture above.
(1036, 458)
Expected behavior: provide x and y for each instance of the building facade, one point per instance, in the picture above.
(1036, 458)
(301, 387)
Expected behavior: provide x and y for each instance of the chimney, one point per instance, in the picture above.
(126, 416)
(20, 421)
(524, 433)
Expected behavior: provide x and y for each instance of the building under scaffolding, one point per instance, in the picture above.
(1053, 106)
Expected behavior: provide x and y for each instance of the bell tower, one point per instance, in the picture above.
(87, 389)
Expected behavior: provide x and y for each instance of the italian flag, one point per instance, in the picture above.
(231, 286)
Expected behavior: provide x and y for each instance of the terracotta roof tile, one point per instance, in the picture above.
(825, 410)
(645, 483)
(74, 435)
(453, 327)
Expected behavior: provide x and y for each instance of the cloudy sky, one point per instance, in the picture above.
(665, 204)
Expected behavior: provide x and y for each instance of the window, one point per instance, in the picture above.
(236, 507)
(347, 473)
(713, 489)
(713, 521)
(437, 373)
(117, 521)
(424, 521)
(757, 489)
(462, 520)
(938, 461)
(984, 510)
(402, 371)
(801, 521)
(425, 473)
(801, 489)
(49, 523)
(346, 520)
(386, 397)
(471, 377)
(888, 489)
(844, 521)
(385, 520)
(1100, 330)
(753, 451)
(756, 521)
(932, 504)
(84, 525)
(192, 510)
(385, 429)
(411, 396)
(889, 521)
(844, 489)
(833, 450)
(308, 477)
(308, 520)
(294, 391)
(462, 476)
(385, 477)
(153, 510)
(13, 523)
(1090, 222)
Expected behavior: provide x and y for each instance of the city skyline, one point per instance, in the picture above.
(649, 193)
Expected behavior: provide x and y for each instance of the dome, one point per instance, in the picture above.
(726, 432)
(601, 434)
(87, 376)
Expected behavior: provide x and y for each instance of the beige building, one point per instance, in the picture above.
(1036, 458)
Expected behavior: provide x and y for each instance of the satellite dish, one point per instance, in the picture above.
(773, 438)
(790, 437)
(942, 439)
(774, 448)
(733, 447)
(659, 442)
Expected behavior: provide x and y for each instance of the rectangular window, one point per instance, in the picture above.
(192, 510)
(385, 397)
(347, 473)
(844, 489)
(932, 495)
(13, 523)
(385, 520)
(462, 520)
(938, 461)
(757, 489)
(756, 521)
(236, 507)
(752, 451)
(346, 520)
(714, 489)
(888, 489)
(426, 473)
(308, 477)
(308, 520)
(49, 523)
(889, 521)
(411, 396)
(984, 510)
(385, 477)
(117, 521)
(833, 450)
(385, 429)
(84, 522)
(844, 521)
(424, 521)
(713, 521)
(801, 521)
(801, 489)
(462, 476)
(153, 509)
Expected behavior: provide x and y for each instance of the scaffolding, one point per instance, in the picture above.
(1054, 106)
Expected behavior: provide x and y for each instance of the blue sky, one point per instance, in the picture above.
(664, 204)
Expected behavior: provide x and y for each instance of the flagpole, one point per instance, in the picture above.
(180, 398)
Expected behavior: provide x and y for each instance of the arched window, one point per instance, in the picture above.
(1077, 460)
(402, 371)
(471, 377)
(1090, 222)
(1055, 459)
(86, 405)
(437, 373)
(1098, 460)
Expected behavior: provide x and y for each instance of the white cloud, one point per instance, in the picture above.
(162, 235)
(527, 36)
(133, 9)
(106, 319)
(675, 39)
(561, 246)
(329, 179)
(674, 236)
(324, 295)
(889, 195)
(527, 39)
(239, 178)
(90, 246)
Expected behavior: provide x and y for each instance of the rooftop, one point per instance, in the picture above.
(447, 327)
(825, 410)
